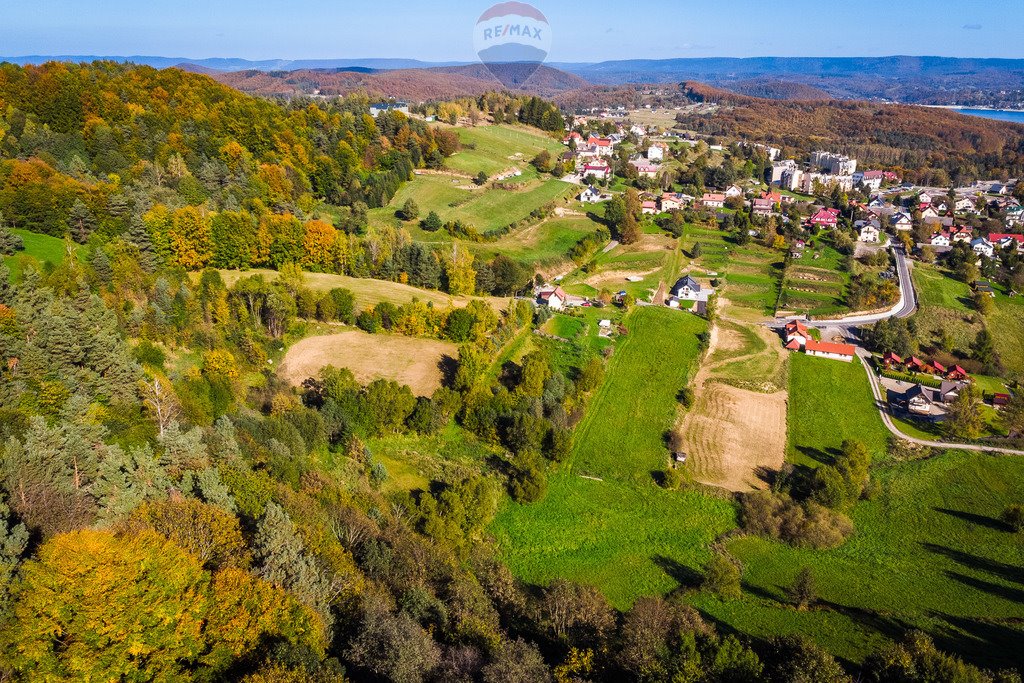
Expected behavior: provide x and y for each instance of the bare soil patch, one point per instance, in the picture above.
(732, 435)
(416, 362)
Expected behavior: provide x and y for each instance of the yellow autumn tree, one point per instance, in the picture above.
(99, 606)
(460, 272)
(191, 237)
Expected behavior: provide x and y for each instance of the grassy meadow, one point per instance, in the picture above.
(928, 552)
(39, 250)
(604, 521)
(494, 149)
(829, 401)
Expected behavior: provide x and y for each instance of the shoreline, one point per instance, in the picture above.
(961, 107)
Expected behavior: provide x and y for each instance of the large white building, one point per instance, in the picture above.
(836, 164)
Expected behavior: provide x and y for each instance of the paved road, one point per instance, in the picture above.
(881, 404)
(904, 308)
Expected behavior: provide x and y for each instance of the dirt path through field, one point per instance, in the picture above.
(732, 436)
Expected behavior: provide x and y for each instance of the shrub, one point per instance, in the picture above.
(722, 575)
(1013, 516)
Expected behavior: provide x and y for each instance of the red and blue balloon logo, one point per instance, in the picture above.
(512, 39)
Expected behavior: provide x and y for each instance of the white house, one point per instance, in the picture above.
(982, 247)
(656, 152)
(686, 288)
(734, 191)
(833, 350)
(925, 198)
(713, 201)
(869, 232)
(649, 208)
(599, 169)
(901, 221)
(961, 234)
(592, 195)
(940, 239)
(966, 205)
(646, 169)
(554, 298)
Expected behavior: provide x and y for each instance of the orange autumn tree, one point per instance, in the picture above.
(320, 245)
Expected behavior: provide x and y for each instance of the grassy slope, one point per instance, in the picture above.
(368, 292)
(485, 209)
(927, 553)
(493, 149)
(622, 534)
(42, 248)
(829, 401)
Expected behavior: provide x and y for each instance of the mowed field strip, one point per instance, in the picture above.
(406, 360)
(367, 291)
(734, 432)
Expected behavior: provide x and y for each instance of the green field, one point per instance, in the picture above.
(40, 248)
(604, 521)
(1007, 327)
(484, 209)
(829, 401)
(545, 244)
(928, 552)
(494, 149)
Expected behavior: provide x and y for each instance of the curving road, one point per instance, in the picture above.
(881, 403)
(904, 308)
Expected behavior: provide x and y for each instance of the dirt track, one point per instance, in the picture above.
(407, 360)
(732, 435)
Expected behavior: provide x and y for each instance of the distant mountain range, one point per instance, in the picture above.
(915, 80)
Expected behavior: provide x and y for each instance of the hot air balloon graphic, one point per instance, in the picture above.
(512, 39)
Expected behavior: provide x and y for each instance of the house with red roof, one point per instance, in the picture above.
(890, 359)
(915, 364)
(602, 146)
(833, 350)
(553, 297)
(649, 207)
(825, 218)
(958, 373)
(599, 169)
(796, 332)
(1002, 240)
(572, 136)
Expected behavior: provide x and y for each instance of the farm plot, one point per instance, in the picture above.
(604, 521)
(735, 430)
(406, 360)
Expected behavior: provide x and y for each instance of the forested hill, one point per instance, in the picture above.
(932, 146)
(112, 140)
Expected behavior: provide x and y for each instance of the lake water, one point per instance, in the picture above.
(1015, 116)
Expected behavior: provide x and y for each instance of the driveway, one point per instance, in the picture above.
(880, 403)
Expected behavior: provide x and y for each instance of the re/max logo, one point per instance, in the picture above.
(512, 30)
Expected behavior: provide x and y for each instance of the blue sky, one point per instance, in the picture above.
(438, 30)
